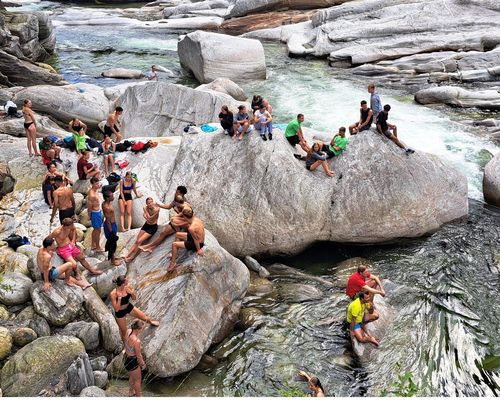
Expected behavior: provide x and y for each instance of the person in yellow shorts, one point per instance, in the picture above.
(355, 319)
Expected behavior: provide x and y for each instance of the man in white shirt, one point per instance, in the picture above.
(153, 74)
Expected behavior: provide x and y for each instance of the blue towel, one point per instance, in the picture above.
(280, 126)
(207, 128)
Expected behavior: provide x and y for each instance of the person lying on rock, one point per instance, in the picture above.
(67, 249)
(315, 157)
(50, 151)
(151, 214)
(294, 135)
(110, 228)
(226, 119)
(385, 128)
(95, 214)
(127, 186)
(120, 300)
(337, 144)
(30, 128)
(108, 152)
(362, 280)
(51, 273)
(242, 123)
(261, 120)
(64, 200)
(192, 240)
(134, 362)
(86, 169)
(357, 324)
(365, 119)
(112, 123)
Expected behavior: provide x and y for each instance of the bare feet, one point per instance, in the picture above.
(169, 255)
(116, 261)
(95, 272)
(87, 286)
(153, 322)
(70, 284)
(171, 266)
(99, 250)
(240, 137)
(330, 173)
(146, 249)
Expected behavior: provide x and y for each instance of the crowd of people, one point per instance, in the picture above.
(188, 229)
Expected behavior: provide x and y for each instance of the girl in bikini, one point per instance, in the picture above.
(108, 151)
(30, 128)
(133, 361)
(127, 185)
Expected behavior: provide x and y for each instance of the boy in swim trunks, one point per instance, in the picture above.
(110, 227)
(112, 124)
(65, 237)
(51, 273)
(95, 213)
(64, 200)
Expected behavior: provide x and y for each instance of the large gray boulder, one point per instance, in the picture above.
(15, 289)
(7, 181)
(370, 204)
(103, 284)
(227, 86)
(85, 102)
(80, 375)
(197, 304)
(212, 55)
(87, 332)
(459, 97)
(244, 7)
(60, 305)
(37, 365)
(25, 27)
(44, 126)
(122, 73)
(164, 109)
(92, 391)
(491, 181)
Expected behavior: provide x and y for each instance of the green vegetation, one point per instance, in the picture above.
(291, 391)
(404, 386)
(491, 363)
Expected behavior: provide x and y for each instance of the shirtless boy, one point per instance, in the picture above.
(112, 124)
(64, 200)
(110, 227)
(95, 213)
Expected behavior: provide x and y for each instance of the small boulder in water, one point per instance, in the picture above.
(491, 181)
(122, 73)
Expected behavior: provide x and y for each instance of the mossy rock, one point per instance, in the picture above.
(23, 336)
(5, 342)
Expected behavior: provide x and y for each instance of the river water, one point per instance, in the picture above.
(446, 315)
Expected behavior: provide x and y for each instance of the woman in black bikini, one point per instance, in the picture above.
(120, 300)
(30, 128)
(133, 360)
(75, 125)
(127, 185)
(148, 230)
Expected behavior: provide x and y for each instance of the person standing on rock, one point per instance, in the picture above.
(112, 123)
(365, 119)
(242, 123)
(108, 152)
(127, 186)
(148, 230)
(51, 273)
(294, 135)
(110, 227)
(64, 200)
(95, 213)
(192, 240)
(355, 319)
(30, 128)
(134, 362)
(67, 249)
(375, 103)
(226, 119)
(153, 74)
(120, 300)
(269, 109)
(385, 129)
(261, 120)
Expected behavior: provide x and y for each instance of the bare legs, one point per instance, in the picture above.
(85, 264)
(109, 160)
(167, 231)
(362, 337)
(125, 207)
(31, 140)
(65, 273)
(180, 238)
(96, 235)
(135, 248)
(134, 381)
(325, 167)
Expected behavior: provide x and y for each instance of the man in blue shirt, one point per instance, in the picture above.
(375, 103)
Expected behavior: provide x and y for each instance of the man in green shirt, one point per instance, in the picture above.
(293, 133)
(355, 319)
(337, 145)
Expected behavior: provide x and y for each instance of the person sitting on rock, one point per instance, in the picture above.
(294, 135)
(86, 169)
(365, 119)
(256, 102)
(385, 128)
(261, 120)
(148, 230)
(95, 214)
(80, 139)
(363, 280)
(127, 186)
(76, 126)
(120, 301)
(108, 152)
(153, 74)
(226, 119)
(357, 324)
(67, 249)
(50, 273)
(193, 239)
(49, 150)
(337, 144)
(134, 362)
(110, 228)
(315, 157)
(242, 123)
(314, 384)
(112, 123)
(375, 103)
(64, 200)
